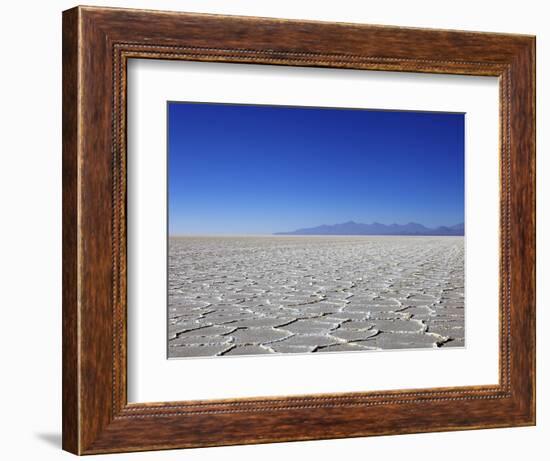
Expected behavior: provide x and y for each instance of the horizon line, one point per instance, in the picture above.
(310, 235)
(170, 234)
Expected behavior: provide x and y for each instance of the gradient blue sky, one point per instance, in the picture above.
(241, 169)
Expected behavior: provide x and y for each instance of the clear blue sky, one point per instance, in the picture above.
(240, 169)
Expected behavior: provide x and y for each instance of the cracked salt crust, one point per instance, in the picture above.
(272, 295)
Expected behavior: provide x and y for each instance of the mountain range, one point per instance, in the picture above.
(354, 228)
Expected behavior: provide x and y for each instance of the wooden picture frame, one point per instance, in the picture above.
(97, 43)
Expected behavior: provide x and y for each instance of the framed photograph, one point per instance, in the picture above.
(281, 230)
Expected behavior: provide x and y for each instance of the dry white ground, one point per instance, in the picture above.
(282, 294)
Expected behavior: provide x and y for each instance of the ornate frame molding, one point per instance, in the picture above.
(97, 43)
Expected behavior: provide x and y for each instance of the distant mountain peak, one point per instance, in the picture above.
(376, 228)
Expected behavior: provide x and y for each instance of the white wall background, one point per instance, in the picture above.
(30, 243)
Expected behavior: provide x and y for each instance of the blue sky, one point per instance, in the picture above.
(242, 169)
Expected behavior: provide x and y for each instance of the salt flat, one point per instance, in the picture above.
(297, 294)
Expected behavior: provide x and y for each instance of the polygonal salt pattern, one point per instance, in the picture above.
(286, 294)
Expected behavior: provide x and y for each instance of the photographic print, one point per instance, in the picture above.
(297, 230)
